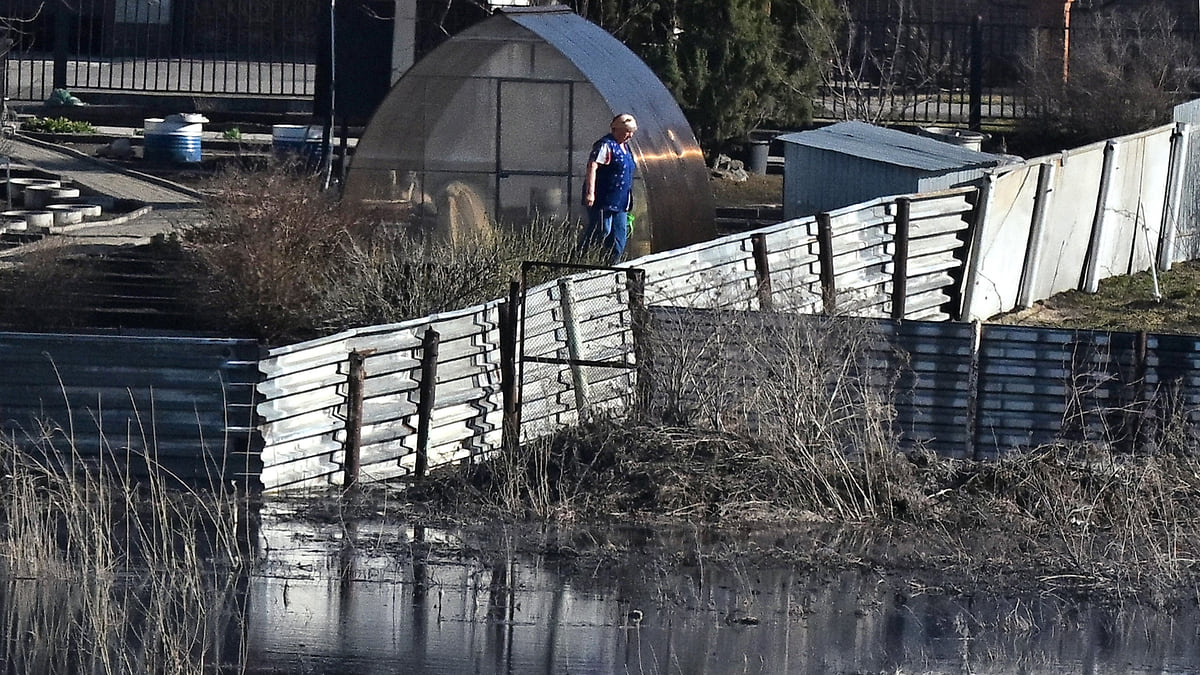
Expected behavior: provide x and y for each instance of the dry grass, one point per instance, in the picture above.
(105, 575)
(284, 261)
(778, 422)
(1124, 303)
(755, 189)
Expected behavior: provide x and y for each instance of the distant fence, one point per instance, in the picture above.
(259, 47)
(1050, 224)
(962, 390)
(936, 71)
(184, 405)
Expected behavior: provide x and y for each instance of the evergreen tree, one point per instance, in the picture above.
(731, 64)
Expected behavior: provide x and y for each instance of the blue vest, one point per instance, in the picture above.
(614, 181)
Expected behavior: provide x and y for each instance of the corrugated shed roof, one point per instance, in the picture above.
(890, 146)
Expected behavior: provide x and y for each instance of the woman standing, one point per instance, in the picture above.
(608, 189)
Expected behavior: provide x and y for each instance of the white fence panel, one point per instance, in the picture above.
(1070, 211)
(713, 274)
(792, 257)
(1002, 243)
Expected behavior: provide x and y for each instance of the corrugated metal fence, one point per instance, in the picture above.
(185, 405)
(1034, 229)
(962, 390)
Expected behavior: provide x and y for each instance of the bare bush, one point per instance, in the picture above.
(875, 72)
(282, 260)
(1127, 68)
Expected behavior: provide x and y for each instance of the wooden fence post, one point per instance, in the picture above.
(900, 259)
(825, 259)
(762, 272)
(635, 284)
(428, 392)
(353, 445)
(579, 382)
(510, 312)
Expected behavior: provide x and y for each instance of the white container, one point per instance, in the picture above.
(88, 210)
(38, 196)
(66, 214)
(16, 186)
(38, 221)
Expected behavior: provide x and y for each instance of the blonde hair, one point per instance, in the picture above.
(624, 121)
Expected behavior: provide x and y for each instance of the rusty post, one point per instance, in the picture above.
(762, 272)
(825, 258)
(428, 391)
(353, 445)
(900, 260)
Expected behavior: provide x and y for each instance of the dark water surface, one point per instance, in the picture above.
(409, 600)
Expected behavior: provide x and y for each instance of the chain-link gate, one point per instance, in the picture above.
(580, 344)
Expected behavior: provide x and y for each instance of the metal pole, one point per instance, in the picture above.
(1091, 268)
(975, 114)
(1037, 226)
(326, 143)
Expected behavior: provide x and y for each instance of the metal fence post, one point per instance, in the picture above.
(975, 104)
(1091, 268)
(62, 30)
(428, 392)
(1037, 225)
(353, 446)
(973, 448)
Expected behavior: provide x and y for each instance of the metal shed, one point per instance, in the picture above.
(853, 162)
(495, 125)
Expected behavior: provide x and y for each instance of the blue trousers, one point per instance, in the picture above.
(607, 229)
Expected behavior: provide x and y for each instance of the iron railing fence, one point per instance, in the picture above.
(209, 47)
(934, 72)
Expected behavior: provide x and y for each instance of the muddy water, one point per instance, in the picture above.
(401, 599)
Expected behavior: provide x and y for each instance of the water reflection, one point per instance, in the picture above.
(380, 600)
(366, 598)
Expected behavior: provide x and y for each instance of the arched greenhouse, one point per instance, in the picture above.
(495, 125)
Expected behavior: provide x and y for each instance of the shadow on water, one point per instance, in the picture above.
(387, 599)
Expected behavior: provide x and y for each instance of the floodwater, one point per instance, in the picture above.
(395, 599)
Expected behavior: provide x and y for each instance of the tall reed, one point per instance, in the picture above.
(105, 574)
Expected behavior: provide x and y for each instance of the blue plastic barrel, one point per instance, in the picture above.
(171, 141)
(297, 142)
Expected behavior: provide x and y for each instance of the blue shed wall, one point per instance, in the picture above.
(817, 180)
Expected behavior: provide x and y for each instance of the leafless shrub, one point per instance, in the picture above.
(1127, 68)
(284, 261)
(878, 71)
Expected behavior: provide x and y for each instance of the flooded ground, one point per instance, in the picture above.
(402, 598)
